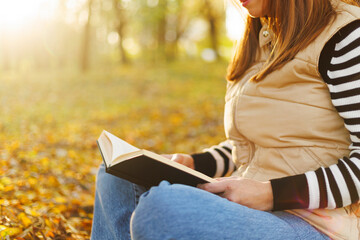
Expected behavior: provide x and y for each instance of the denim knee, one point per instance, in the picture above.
(156, 216)
(158, 199)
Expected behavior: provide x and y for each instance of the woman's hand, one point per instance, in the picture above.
(247, 192)
(184, 159)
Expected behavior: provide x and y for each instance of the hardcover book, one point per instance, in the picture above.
(144, 167)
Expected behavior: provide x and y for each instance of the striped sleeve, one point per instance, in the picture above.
(215, 161)
(338, 185)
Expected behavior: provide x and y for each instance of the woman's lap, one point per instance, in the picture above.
(182, 212)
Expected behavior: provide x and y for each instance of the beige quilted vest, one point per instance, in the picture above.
(287, 125)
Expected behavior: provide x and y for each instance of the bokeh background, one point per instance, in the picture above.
(150, 71)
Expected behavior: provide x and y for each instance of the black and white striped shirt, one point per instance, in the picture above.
(331, 187)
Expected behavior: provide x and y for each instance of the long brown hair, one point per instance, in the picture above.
(295, 24)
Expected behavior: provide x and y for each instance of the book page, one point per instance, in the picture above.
(119, 147)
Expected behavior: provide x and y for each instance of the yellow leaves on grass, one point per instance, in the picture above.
(43, 188)
(48, 152)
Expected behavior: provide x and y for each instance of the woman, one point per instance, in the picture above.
(292, 111)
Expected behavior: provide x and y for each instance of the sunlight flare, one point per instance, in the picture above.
(16, 14)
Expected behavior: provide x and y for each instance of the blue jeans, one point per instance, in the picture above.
(181, 212)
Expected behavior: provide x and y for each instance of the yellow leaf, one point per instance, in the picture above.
(24, 219)
(60, 199)
(32, 181)
(72, 154)
(32, 212)
(48, 223)
(45, 162)
(8, 231)
(52, 181)
(4, 202)
(5, 181)
(58, 209)
(8, 188)
(50, 234)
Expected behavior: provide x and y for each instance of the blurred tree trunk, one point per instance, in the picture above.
(120, 29)
(161, 34)
(212, 19)
(179, 27)
(85, 51)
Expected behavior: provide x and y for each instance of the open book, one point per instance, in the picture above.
(144, 167)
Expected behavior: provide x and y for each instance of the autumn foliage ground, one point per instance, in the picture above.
(50, 122)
